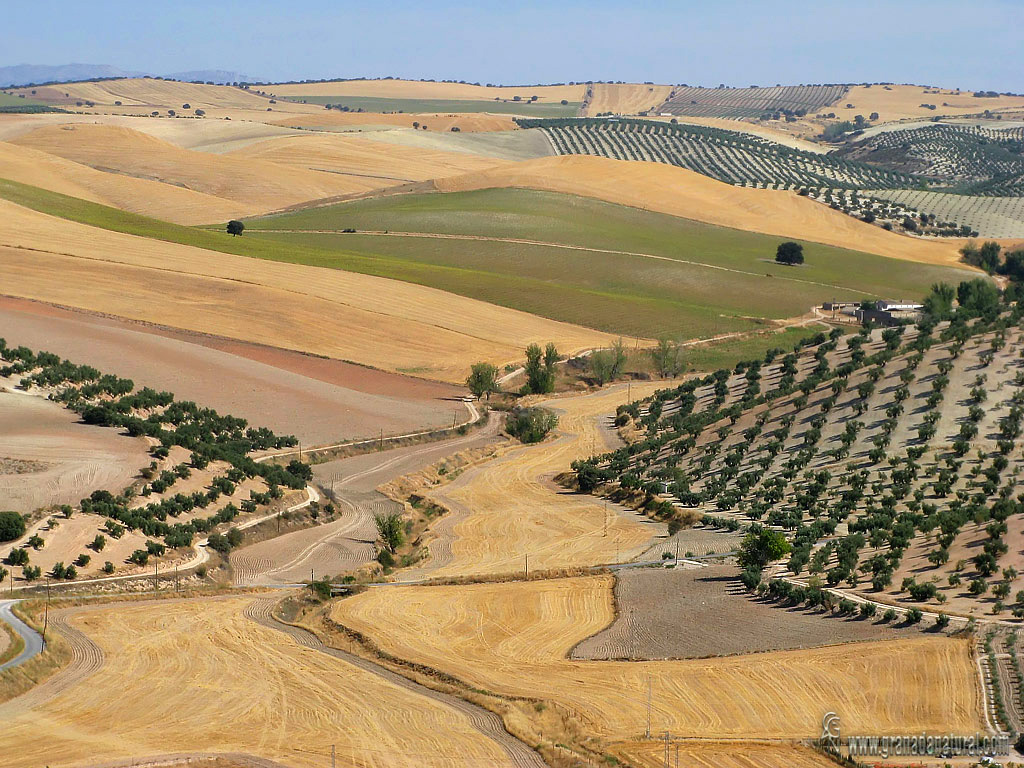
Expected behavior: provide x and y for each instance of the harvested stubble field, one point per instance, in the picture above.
(625, 98)
(508, 509)
(698, 754)
(217, 681)
(436, 123)
(499, 144)
(67, 459)
(598, 264)
(678, 192)
(328, 400)
(148, 93)
(700, 612)
(338, 314)
(900, 102)
(425, 90)
(513, 638)
(347, 543)
(465, 106)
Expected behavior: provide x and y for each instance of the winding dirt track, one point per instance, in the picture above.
(216, 678)
(347, 543)
(508, 509)
(486, 722)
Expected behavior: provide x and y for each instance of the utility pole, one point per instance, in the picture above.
(455, 416)
(46, 612)
(648, 706)
(666, 737)
(527, 566)
(606, 517)
(677, 552)
(334, 763)
(381, 439)
(176, 587)
(156, 575)
(300, 450)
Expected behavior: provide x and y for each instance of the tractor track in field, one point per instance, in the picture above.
(484, 721)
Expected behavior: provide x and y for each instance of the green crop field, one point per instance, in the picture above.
(11, 100)
(683, 287)
(377, 104)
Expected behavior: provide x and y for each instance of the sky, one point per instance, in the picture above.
(949, 43)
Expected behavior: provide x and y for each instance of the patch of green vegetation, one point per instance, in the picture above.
(415, 106)
(11, 103)
(14, 100)
(685, 287)
(725, 354)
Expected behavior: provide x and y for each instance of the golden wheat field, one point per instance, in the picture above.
(465, 121)
(626, 98)
(901, 102)
(149, 93)
(417, 89)
(679, 192)
(199, 676)
(514, 637)
(509, 508)
(383, 323)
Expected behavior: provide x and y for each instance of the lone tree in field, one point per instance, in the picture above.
(790, 253)
(482, 380)
(235, 227)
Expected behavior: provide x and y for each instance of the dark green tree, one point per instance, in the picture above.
(789, 253)
(235, 227)
(482, 380)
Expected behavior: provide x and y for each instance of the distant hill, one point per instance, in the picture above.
(218, 76)
(26, 74)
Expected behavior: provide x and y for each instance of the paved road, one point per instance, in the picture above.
(33, 640)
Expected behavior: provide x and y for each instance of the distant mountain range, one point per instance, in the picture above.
(27, 74)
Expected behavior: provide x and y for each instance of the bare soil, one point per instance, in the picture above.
(76, 458)
(673, 613)
(327, 400)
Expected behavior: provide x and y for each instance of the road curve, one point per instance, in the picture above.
(483, 720)
(33, 640)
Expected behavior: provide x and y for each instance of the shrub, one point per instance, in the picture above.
(12, 526)
(530, 425)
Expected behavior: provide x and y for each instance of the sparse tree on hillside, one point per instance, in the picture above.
(540, 374)
(482, 380)
(667, 357)
(389, 528)
(789, 253)
(235, 227)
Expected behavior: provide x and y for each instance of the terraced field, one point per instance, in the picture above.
(730, 156)
(749, 102)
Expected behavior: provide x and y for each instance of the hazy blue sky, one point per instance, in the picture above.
(954, 43)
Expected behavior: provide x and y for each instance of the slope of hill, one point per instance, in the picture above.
(581, 260)
(425, 89)
(383, 323)
(624, 98)
(750, 102)
(890, 459)
(676, 191)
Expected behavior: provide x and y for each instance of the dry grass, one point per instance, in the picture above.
(626, 98)
(16, 681)
(436, 122)
(215, 681)
(364, 163)
(509, 508)
(513, 638)
(343, 315)
(679, 192)
(144, 196)
(413, 89)
(257, 185)
(904, 101)
(150, 94)
(710, 754)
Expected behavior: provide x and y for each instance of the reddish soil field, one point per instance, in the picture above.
(316, 399)
(668, 614)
